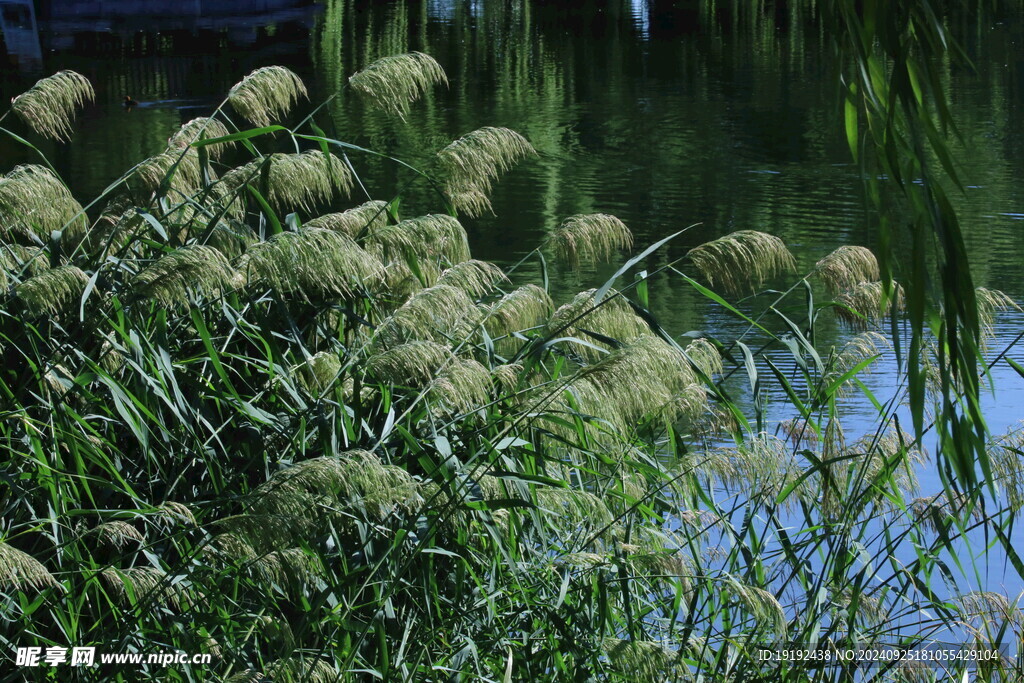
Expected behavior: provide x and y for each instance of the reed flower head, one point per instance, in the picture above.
(475, 278)
(613, 318)
(203, 128)
(522, 308)
(411, 364)
(53, 290)
(202, 270)
(865, 305)
(438, 313)
(461, 386)
(989, 302)
(435, 236)
(589, 238)
(291, 181)
(743, 260)
(393, 83)
(267, 94)
(471, 163)
(19, 570)
(366, 217)
(847, 267)
(34, 202)
(173, 169)
(310, 262)
(49, 106)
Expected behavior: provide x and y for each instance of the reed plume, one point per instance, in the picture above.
(366, 217)
(311, 262)
(393, 83)
(49, 106)
(847, 267)
(196, 269)
(520, 309)
(411, 364)
(589, 239)
(742, 261)
(202, 128)
(434, 236)
(293, 181)
(471, 164)
(475, 278)
(865, 305)
(53, 290)
(19, 570)
(613, 318)
(438, 313)
(267, 94)
(34, 202)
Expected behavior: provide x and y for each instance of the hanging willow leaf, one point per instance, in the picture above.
(393, 83)
(49, 106)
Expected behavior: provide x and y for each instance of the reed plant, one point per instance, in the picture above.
(246, 415)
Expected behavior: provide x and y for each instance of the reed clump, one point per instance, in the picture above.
(247, 415)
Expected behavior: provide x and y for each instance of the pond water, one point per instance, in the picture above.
(662, 116)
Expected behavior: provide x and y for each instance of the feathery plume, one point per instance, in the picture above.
(520, 309)
(293, 180)
(310, 262)
(49, 106)
(990, 301)
(461, 386)
(366, 217)
(742, 260)
(507, 376)
(231, 238)
(989, 606)
(613, 318)
(144, 585)
(201, 128)
(393, 83)
(18, 262)
(267, 94)
(53, 290)
(437, 313)
(432, 236)
(176, 170)
(472, 163)
(645, 660)
(589, 239)
(1005, 454)
(412, 364)
(861, 307)
(201, 270)
(292, 566)
(764, 606)
(19, 570)
(763, 465)
(295, 501)
(475, 278)
(318, 374)
(115, 535)
(34, 202)
(936, 513)
(401, 283)
(644, 378)
(705, 356)
(296, 670)
(847, 267)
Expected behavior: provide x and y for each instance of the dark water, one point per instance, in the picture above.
(665, 117)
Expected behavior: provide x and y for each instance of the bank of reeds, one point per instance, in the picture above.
(316, 440)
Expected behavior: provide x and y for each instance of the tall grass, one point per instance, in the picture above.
(250, 415)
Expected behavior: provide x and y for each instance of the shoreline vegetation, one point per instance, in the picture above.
(250, 408)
